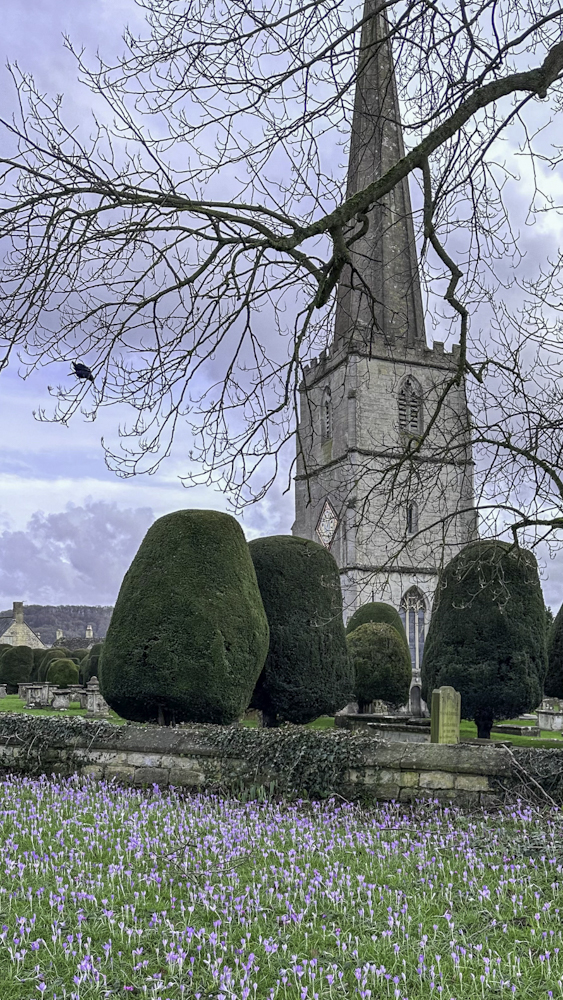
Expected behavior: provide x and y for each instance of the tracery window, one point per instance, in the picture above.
(412, 611)
(410, 406)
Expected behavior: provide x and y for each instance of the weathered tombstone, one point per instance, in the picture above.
(95, 703)
(33, 695)
(61, 699)
(416, 707)
(3, 691)
(46, 696)
(81, 697)
(445, 715)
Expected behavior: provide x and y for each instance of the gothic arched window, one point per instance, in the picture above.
(410, 406)
(412, 519)
(412, 610)
(326, 415)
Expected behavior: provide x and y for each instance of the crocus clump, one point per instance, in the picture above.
(110, 892)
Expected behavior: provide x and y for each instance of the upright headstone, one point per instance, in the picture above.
(416, 707)
(95, 702)
(445, 715)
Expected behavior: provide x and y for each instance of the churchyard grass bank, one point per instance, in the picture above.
(114, 892)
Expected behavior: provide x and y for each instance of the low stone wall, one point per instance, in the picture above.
(292, 760)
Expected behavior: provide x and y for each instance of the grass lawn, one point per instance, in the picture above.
(111, 892)
(11, 703)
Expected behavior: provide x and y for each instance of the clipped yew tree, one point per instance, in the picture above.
(56, 653)
(38, 655)
(188, 635)
(487, 633)
(382, 664)
(378, 612)
(62, 672)
(307, 671)
(16, 666)
(89, 664)
(553, 686)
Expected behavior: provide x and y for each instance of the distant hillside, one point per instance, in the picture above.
(71, 618)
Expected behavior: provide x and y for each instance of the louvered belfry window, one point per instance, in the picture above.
(410, 407)
(327, 415)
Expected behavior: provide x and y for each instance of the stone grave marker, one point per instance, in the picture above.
(61, 699)
(445, 715)
(95, 702)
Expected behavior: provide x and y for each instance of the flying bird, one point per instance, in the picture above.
(82, 371)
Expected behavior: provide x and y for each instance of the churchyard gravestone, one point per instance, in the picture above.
(95, 702)
(445, 715)
(3, 691)
(32, 694)
(61, 699)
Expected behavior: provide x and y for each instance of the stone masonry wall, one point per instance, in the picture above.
(290, 760)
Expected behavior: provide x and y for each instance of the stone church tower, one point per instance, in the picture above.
(390, 522)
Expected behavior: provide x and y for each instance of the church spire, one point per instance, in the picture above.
(380, 304)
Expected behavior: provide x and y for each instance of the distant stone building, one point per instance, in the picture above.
(390, 524)
(17, 633)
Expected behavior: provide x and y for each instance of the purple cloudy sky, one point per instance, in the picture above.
(68, 527)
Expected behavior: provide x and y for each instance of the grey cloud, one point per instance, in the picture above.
(77, 556)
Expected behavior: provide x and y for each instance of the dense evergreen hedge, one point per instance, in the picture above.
(89, 664)
(487, 633)
(188, 636)
(56, 653)
(62, 672)
(307, 672)
(382, 664)
(553, 686)
(16, 666)
(38, 655)
(378, 612)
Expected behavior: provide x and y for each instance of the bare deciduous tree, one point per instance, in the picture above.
(189, 248)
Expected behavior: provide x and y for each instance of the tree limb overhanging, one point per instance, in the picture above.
(188, 246)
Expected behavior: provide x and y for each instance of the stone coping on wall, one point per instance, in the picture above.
(292, 759)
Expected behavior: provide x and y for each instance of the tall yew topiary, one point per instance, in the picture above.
(89, 664)
(307, 672)
(38, 655)
(487, 633)
(16, 666)
(62, 672)
(55, 653)
(382, 664)
(378, 612)
(553, 686)
(188, 635)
